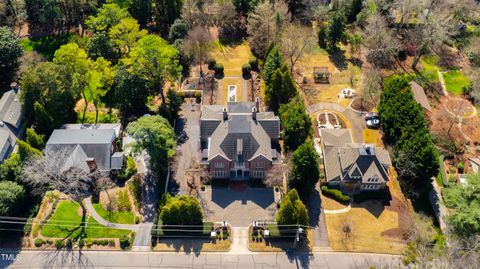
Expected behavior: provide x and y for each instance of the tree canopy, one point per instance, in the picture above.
(305, 171)
(281, 88)
(47, 96)
(296, 123)
(292, 210)
(181, 210)
(10, 52)
(156, 136)
(465, 202)
(11, 198)
(404, 125)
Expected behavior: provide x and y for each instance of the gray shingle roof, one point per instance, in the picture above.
(344, 159)
(82, 136)
(11, 109)
(223, 135)
(93, 143)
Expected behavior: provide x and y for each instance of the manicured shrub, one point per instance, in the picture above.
(460, 167)
(69, 243)
(335, 194)
(89, 242)
(124, 241)
(39, 242)
(246, 68)
(211, 63)
(218, 68)
(253, 63)
(124, 201)
(81, 243)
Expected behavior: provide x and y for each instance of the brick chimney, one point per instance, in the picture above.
(14, 86)
(254, 113)
(92, 164)
(225, 114)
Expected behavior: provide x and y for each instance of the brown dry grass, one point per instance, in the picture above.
(315, 93)
(231, 81)
(374, 227)
(373, 137)
(232, 58)
(330, 204)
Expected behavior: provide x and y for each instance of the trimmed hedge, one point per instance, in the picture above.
(218, 68)
(335, 194)
(372, 195)
(246, 68)
(211, 63)
(253, 62)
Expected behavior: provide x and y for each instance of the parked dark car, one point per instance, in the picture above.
(372, 119)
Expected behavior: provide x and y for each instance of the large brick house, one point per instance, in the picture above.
(238, 141)
(353, 167)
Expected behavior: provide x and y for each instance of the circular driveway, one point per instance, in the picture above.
(355, 119)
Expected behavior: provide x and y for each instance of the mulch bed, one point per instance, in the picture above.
(359, 104)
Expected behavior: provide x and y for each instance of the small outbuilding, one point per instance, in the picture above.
(321, 74)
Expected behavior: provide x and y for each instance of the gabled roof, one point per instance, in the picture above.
(81, 136)
(80, 144)
(11, 108)
(224, 135)
(347, 161)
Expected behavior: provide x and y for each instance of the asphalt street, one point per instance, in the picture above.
(105, 259)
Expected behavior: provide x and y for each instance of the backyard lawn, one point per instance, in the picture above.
(430, 68)
(126, 217)
(455, 81)
(232, 58)
(66, 221)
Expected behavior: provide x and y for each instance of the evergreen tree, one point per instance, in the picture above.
(335, 32)
(273, 62)
(141, 10)
(296, 123)
(165, 13)
(305, 171)
(281, 88)
(404, 125)
(353, 9)
(10, 51)
(182, 210)
(292, 210)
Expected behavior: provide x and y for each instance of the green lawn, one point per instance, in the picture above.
(112, 216)
(66, 221)
(455, 81)
(430, 68)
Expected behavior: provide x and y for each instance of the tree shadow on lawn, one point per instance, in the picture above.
(187, 245)
(337, 57)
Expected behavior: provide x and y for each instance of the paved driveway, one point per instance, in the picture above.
(239, 208)
(356, 119)
(190, 123)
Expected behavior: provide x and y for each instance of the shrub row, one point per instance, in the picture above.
(335, 194)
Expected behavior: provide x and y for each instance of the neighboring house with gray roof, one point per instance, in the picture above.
(11, 121)
(353, 167)
(87, 146)
(238, 141)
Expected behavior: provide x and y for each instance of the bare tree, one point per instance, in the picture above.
(274, 176)
(372, 85)
(474, 90)
(265, 23)
(295, 40)
(379, 41)
(54, 173)
(197, 13)
(198, 44)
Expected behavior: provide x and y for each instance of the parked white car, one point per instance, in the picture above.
(347, 93)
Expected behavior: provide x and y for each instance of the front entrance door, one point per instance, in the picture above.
(239, 173)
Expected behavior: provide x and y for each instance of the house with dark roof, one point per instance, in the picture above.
(353, 167)
(87, 146)
(11, 121)
(238, 141)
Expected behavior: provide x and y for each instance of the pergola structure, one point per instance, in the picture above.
(321, 74)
